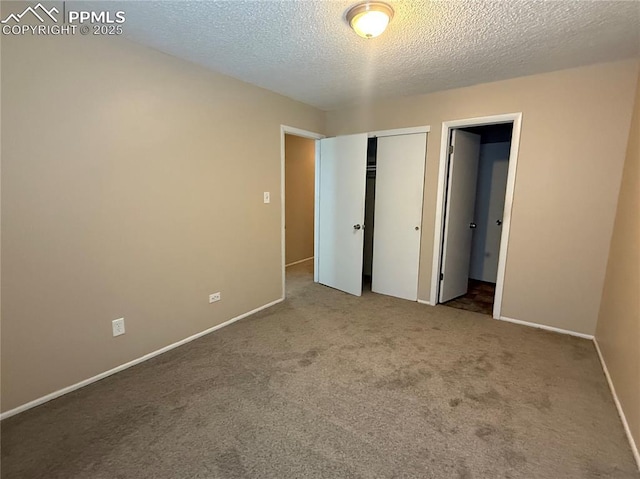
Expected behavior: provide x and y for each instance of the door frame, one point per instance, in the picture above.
(401, 131)
(290, 130)
(447, 126)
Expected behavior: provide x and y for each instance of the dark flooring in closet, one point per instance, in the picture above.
(479, 298)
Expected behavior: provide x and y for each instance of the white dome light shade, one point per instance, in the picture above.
(370, 19)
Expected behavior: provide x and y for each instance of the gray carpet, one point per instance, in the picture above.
(326, 385)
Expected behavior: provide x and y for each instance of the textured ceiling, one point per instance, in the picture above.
(305, 49)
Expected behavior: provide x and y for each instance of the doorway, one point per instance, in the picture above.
(475, 190)
(369, 214)
(370, 199)
(491, 163)
(298, 198)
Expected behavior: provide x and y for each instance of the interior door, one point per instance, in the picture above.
(459, 212)
(342, 180)
(400, 163)
(490, 196)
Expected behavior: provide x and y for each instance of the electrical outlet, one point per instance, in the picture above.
(118, 326)
(214, 297)
(267, 197)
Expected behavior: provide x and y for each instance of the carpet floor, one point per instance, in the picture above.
(327, 385)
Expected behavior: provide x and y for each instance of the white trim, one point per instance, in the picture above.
(546, 328)
(623, 418)
(299, 261)
(438, 230)
(400, 131)
(86, 382)
(422, 301)
(290, 130)
(316, 218)
(516, 119)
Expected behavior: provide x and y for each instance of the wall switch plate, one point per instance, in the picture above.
(118, 326)
(214, 297)
(267, 197)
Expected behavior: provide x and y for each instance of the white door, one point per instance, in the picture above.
(342, 179)
(459, 212)
(398, 215)
(490, 196)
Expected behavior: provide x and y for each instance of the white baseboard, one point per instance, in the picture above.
(533, 325)
(625, 424)
(298, 262)
(86, 382)
(546, 328)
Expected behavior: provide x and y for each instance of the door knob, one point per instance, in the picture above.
(356, 227)
(498, 222)
(473, 226)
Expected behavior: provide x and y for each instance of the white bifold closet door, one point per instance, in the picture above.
(341, 194)
(400, 164)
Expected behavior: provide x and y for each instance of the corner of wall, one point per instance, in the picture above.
(617, 335)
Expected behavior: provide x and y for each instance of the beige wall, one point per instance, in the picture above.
(574, 134)
(618, 331)
(300, 155)
(129, 189)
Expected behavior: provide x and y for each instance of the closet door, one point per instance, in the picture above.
(342, 180)
(400, 164)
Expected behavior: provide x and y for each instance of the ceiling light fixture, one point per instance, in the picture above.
(369, 19)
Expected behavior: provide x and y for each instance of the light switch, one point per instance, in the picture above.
(267, 197)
